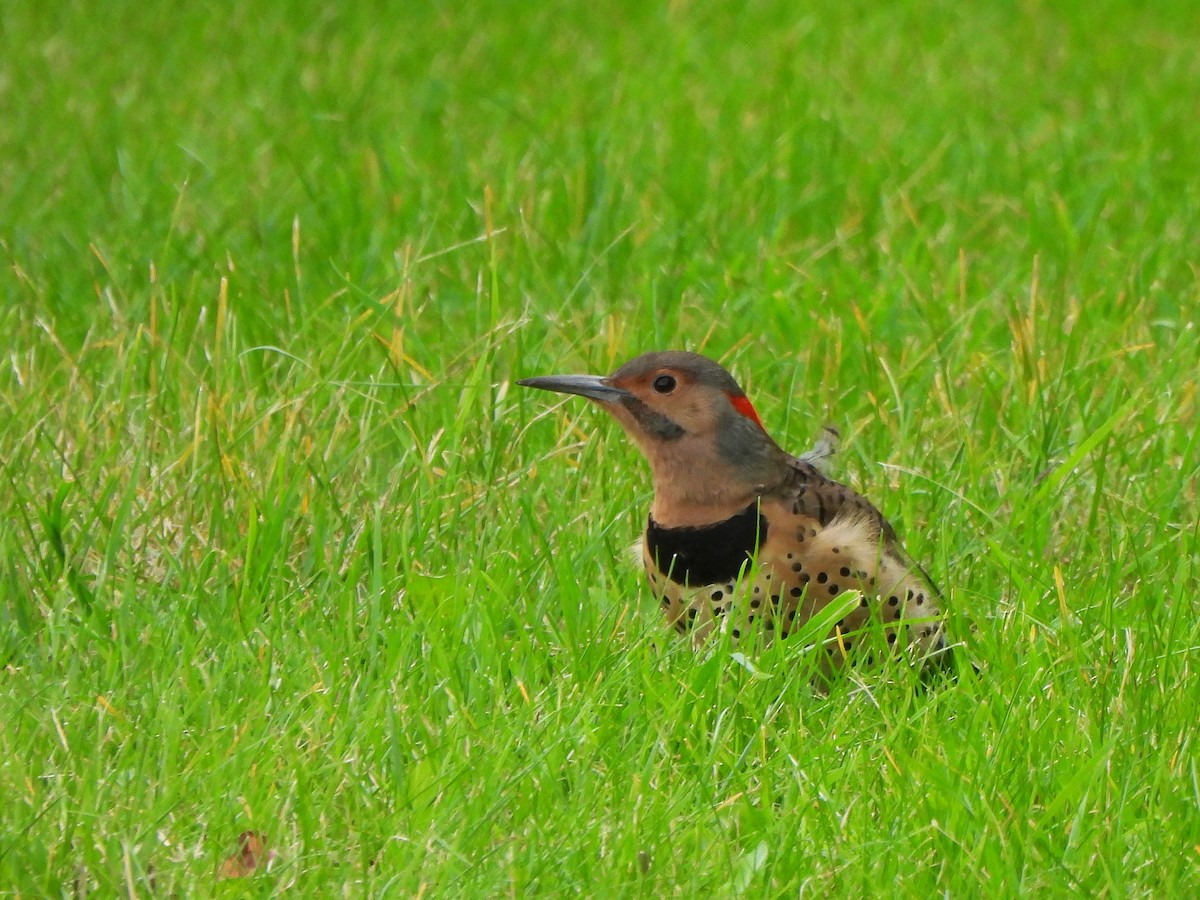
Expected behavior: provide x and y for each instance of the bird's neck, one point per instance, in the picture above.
(699, 481)
(671, 511)
(692, 499)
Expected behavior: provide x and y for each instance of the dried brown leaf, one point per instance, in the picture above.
(252, 853)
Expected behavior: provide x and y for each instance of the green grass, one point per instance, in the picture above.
(284, 549)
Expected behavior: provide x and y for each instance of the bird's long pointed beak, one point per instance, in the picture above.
(594, 387)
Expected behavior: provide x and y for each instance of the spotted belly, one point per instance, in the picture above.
(794, 571)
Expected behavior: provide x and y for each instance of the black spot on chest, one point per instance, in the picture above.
(708, 554)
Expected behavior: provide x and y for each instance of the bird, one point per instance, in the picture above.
(744, 537)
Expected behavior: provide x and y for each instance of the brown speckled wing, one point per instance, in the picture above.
(814, 495)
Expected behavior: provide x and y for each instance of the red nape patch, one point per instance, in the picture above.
(743, 405)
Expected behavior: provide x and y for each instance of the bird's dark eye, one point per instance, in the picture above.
(664, 384)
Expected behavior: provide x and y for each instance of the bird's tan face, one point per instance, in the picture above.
(672, 395)
(705, 444)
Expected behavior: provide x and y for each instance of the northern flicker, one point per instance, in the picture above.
(742, 534)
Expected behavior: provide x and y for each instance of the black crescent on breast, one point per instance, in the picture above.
(708, 554)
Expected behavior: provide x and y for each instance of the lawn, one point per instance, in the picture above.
(285, 550)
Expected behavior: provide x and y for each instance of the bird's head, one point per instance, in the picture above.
(707, 448)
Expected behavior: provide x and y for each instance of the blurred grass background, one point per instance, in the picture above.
(284, 551)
